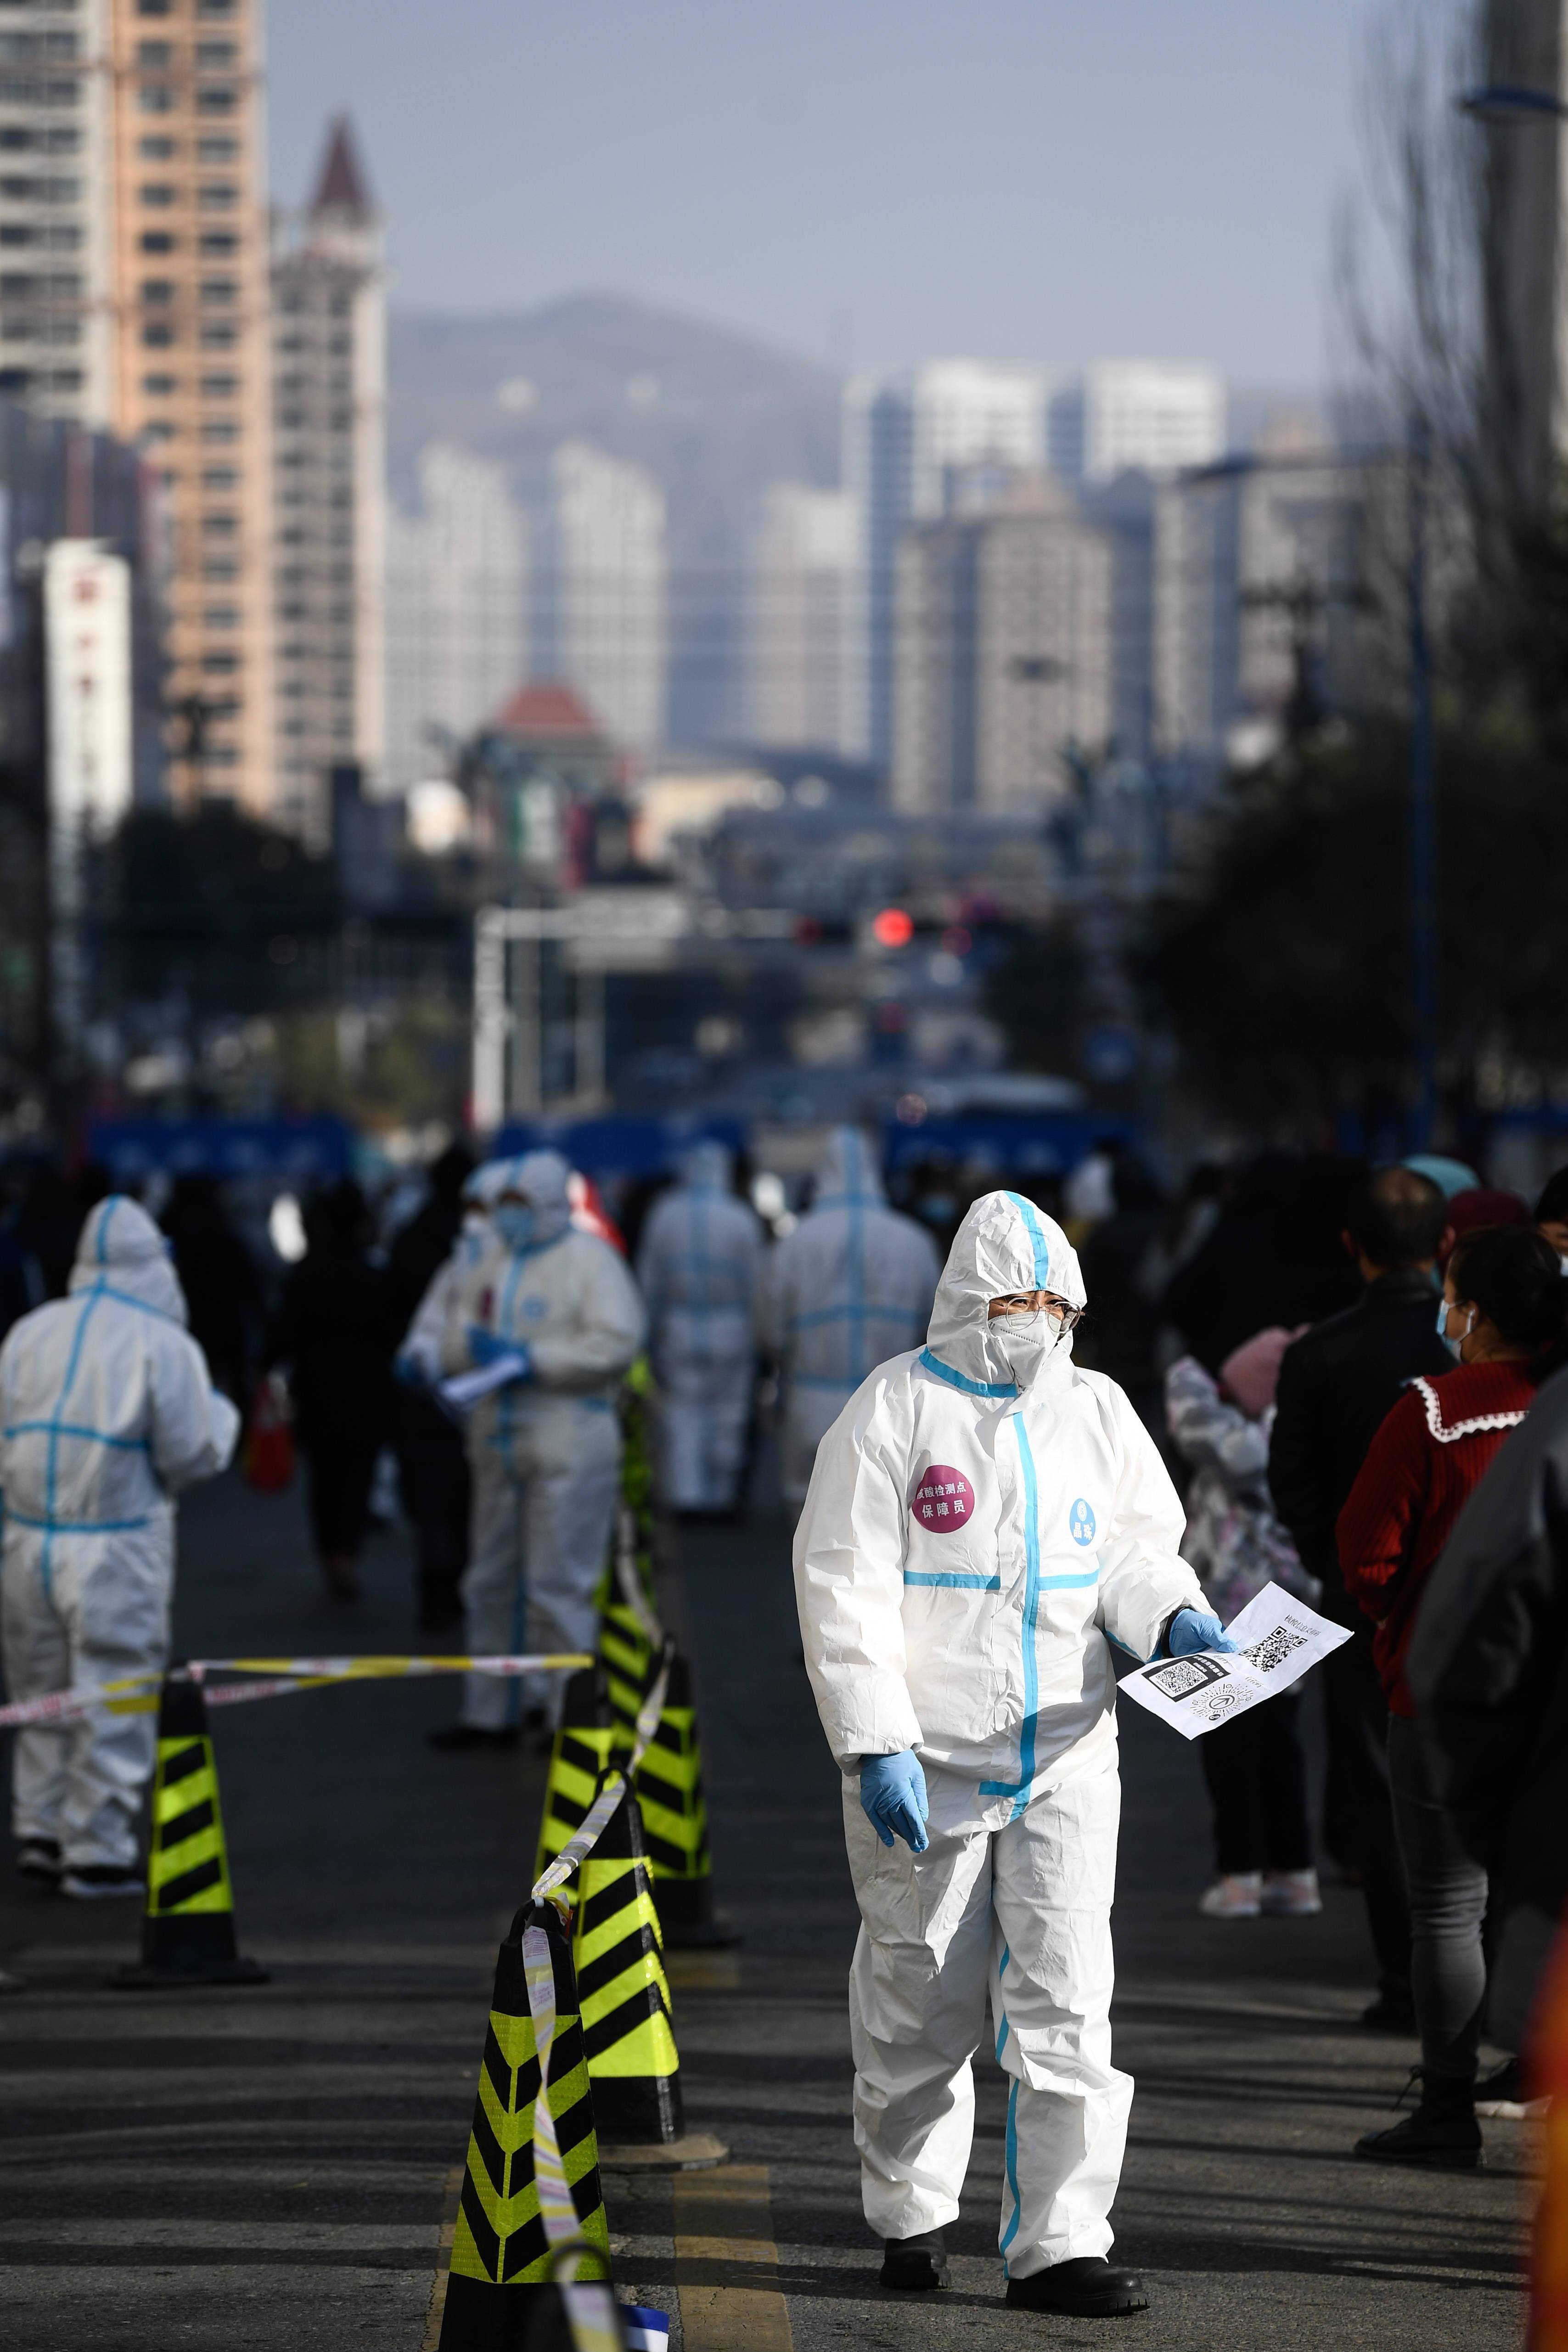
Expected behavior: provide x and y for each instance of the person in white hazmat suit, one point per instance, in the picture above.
(545, 1450)
(419, 1354)
(984, 1518)
(107, 1410)
(697, 1265)
(850, 1286)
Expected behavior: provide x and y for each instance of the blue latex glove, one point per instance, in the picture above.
(407, 1368)
(1195, 1628)
(487, 1348)
(893, 1797)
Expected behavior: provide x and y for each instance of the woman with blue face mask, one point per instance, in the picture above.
(1503, 1318)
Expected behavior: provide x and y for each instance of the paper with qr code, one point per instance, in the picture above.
(1278, 1638)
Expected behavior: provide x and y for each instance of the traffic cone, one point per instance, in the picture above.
(674, 1823)
(582, 1752)
(500, 2290)
(188, 1928)
(627, 2037)
(628, 1660)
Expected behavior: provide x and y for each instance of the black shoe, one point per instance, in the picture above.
(1441, 2143)
(1393, 2011)
(915, 2265)
(1088, 2287)
(456, 1736)
(39, 1858)
(1442, 2134)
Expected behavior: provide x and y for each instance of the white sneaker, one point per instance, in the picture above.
(1238, 1896)
(90, 1881)
(1291, 1895)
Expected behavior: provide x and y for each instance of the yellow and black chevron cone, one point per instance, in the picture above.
(627, 2037)
(502, 2266)
(583, 1749)
(188, 1928)
(674, 1822)
(629, 1661)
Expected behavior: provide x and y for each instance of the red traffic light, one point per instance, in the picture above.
(893, 928)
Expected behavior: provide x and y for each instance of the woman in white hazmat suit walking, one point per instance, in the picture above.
(982, 1520)
(106, 1411)
(698, 1263)
(854, 1279)
(545, 1450)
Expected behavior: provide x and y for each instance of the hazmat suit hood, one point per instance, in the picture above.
(122, 1251)
(1004, 1245)
(706, 1168)
(486, 1182)
(849, 1173)
(544, 1179)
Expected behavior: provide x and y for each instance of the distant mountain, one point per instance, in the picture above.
(714, 417)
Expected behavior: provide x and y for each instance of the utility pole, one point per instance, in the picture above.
(1423, 843)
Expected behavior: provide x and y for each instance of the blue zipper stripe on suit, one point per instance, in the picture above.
(1037, 1240)
(1018, 1791)
(930, 1363)
(77, 1429)
(51, 1470)
(1010, 2232)
(963, 1583)
(1001, 1971)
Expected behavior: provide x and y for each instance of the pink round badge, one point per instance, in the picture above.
(943, 1498)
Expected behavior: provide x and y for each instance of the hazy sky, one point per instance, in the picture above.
(861, 180)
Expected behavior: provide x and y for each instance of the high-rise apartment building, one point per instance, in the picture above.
(456, 630)
(1152, 415)
(800, 564)
(1260, 574)
(1003, 652)
(191, 303)
(56, 261)
(907, 436)
(330, 452)
(607, 575)
(133, 296)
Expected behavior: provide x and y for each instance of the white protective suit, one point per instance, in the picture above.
(546, 1452)
(106, 1411)
(965, 1552)
(851, 1285)
(425, 1338)
(700, 1257)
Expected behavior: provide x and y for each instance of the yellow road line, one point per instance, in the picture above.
(726, 2264)
(432, 2337)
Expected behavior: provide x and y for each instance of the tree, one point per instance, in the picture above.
(1284, 965)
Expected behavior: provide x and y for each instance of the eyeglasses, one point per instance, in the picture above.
(1058, 1308)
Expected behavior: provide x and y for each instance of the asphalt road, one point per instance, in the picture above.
(269, 2169)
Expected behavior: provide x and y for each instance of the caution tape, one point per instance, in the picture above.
(589, 2303)
(139, 1694)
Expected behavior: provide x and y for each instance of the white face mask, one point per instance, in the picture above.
(1031, 1346)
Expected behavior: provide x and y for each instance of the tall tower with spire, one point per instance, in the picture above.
(329, 471)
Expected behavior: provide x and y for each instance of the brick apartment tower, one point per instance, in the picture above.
(191, 271)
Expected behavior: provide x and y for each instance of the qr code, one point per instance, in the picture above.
(1185, 1675)
(1217, 1702)
(1274, 1649)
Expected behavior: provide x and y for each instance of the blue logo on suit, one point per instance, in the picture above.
(1081, 1522)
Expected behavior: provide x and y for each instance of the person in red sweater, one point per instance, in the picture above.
(1504, 1316)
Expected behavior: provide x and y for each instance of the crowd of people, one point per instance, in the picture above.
(1109, 1415)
